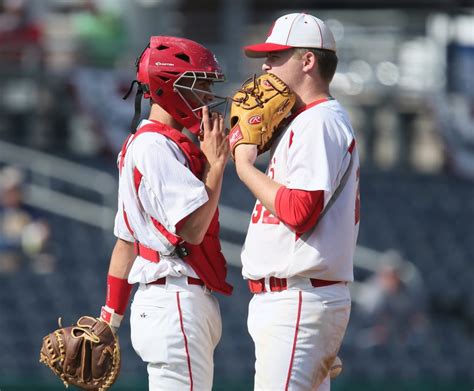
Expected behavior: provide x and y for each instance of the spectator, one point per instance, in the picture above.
(393, 309)
(21, 58)
(13, 220)
(24, 237)
(100, 34)
(20, 35)
(96, 81)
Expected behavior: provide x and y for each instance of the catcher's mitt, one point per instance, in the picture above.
(86, 355)
(258, 108)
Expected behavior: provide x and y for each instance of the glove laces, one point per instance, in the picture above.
(251, 89)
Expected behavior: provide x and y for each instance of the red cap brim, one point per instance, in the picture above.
(261, 49)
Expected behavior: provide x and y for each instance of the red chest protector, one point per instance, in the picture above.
(206, 258)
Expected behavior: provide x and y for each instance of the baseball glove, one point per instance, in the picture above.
(86, 355)
(257, 110)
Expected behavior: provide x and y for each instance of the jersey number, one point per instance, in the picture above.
(268, 218)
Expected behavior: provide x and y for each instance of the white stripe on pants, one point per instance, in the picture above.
(175, 329)
(297, 335)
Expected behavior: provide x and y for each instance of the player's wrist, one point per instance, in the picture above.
(109, 316)
(243, 168)
(218, 165)
(118, 295)
(246, 154)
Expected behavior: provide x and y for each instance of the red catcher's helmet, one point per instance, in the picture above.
(168, 67)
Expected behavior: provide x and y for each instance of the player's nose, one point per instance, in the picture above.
(208, 98)
(265, 67)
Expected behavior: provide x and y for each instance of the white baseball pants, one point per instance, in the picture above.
(175, 329)
(297, 334)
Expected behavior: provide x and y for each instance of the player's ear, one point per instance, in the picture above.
(309, 60)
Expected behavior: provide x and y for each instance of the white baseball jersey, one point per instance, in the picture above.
(168, 192)
(311, 154)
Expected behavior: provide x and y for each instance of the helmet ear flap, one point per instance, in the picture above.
(139, 58)
(142, 64)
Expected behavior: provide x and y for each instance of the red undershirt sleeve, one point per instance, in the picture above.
(299, 209)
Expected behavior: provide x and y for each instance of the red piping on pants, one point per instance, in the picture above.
(300, 300)
(185, 342)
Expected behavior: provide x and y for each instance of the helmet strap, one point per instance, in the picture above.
(138, 108)
(138, 102)
(130, 89)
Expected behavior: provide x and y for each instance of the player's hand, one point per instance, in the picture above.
(214, 143)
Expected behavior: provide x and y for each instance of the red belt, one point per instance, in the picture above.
(280, 284)
(191, 281)
(145, 252)
(154, 256)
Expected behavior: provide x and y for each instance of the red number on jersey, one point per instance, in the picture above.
(271, 169)
(257, 213)
(268, 218)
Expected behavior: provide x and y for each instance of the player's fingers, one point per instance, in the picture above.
(212, 119)
(206, 122)
(215, 121)
(223, 138)
(217, 124)
(225, 144)
(221, 124)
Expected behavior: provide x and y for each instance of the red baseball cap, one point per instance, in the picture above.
(298, 30)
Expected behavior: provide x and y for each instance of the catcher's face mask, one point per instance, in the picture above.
(195, 89)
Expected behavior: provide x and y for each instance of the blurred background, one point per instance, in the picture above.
(405, 76)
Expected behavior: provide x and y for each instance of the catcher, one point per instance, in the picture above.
(168, 234)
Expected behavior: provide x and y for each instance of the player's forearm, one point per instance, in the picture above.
(196, 225)
(262, 186)
(118, 289)
(122, 259)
